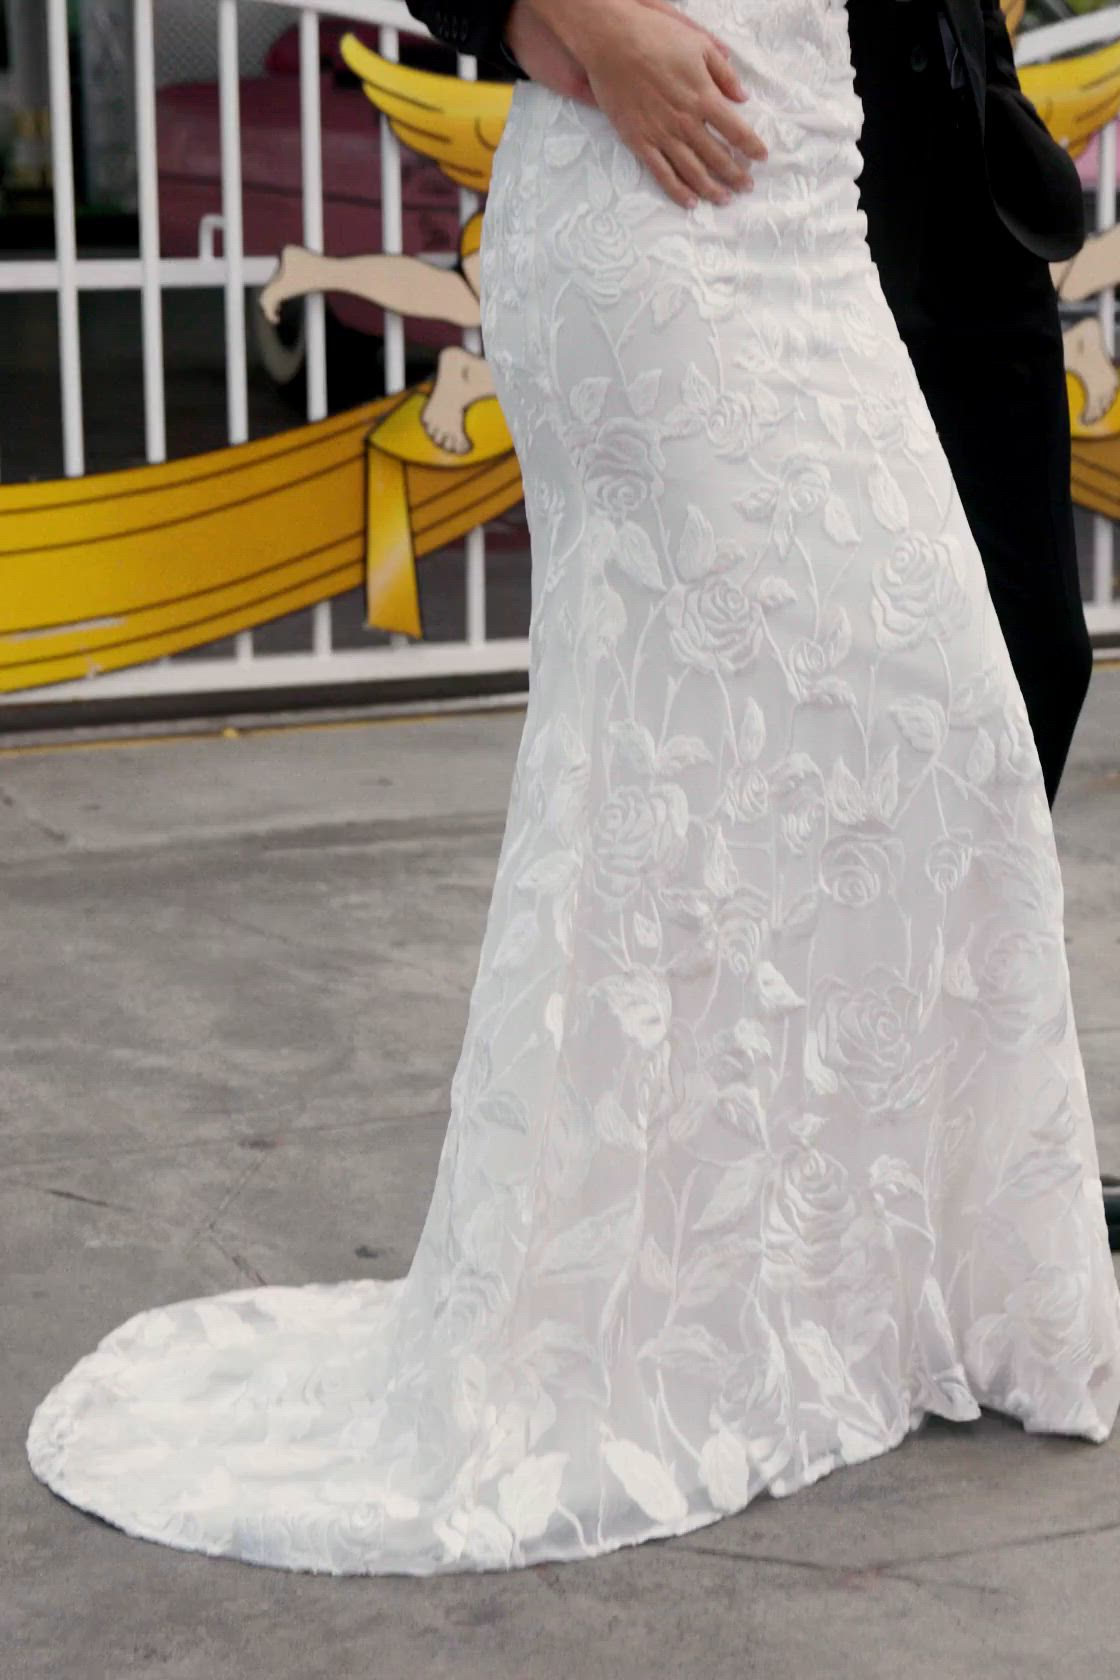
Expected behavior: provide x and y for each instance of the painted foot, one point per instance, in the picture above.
(1093, 366)
(296, 275)
(444, 419)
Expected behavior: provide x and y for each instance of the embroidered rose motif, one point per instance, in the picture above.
(808, 1210)
(856, 873)
(716, 624)
(1041, 1342)
(638, 833)
(622, 467)
(1019, 977)
(747, 796)
(474, 1299)
(599, 246)
(865, 1039)
(918, 592)
(948, 862)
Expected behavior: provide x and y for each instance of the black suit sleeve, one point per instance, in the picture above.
(1000, 53)
(473, 27)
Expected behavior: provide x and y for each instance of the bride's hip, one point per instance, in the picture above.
(811, 133)
(569, 201)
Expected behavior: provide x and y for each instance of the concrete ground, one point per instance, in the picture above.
(234, 980)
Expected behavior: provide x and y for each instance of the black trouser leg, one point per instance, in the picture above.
(980, 319)
(998, 399)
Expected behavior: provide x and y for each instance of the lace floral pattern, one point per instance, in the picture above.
(770, 1134)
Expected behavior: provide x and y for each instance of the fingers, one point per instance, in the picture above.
(728, 123)
(724, 165)
(695, 163)
(571, 82)
(696, 173)
(739, 135)
(725, 77)
(679, 109)
(669, 181)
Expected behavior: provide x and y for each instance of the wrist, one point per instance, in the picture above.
(577, 24)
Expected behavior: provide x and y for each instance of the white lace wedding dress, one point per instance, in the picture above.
(770, 1134)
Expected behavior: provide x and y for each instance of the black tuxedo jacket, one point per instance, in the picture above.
(1034, 185)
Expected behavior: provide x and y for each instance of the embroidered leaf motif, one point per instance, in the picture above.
(752, 731)
(635, 745)
(887, 501)
(838, 521)
(518, 942)
(529, 1494)
(735, 1193)
(775, 993)
(636, 557)
(647, 1481)
(697, 554)
(655, 1267)
(644, 392)
(592, 1246)
(682, 751)
(641, 1002)
(588, 398)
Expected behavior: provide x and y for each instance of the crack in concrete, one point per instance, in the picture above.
(238, 1261)
(896, 1570)
(291, 1134)
(11, 804)
(973, 1587)
(322, 960)
(74, 1196)
(206, 1230)
(348, 834)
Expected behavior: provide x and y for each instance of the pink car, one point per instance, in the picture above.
(190, 185)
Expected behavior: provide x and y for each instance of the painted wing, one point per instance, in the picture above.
(455, 123)
(1013, 13)
(1076, 97)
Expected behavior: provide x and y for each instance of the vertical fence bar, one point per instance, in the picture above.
(66, 241)
(315, 316)
(311, 147)
(151, 295)
(469, 203)
(392, 220)
(1104, 532)
(392, 234)
(233, 242)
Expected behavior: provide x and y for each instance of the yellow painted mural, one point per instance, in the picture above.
(269, 528)
(1077, 98)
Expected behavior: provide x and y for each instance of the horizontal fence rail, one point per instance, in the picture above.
(233, 272)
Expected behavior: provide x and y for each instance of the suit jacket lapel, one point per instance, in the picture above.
(967, 23)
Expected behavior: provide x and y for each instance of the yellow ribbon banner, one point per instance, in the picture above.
(101, 573)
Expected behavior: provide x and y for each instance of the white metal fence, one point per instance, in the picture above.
(150, 274)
